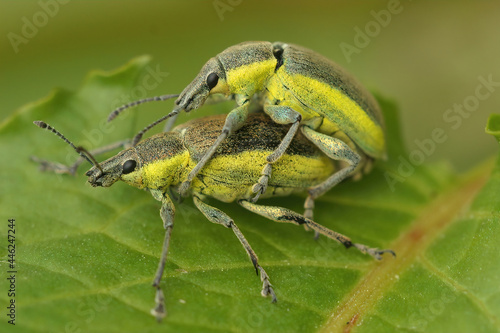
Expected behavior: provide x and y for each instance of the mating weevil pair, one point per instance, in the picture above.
(335, 113)
(294, 86)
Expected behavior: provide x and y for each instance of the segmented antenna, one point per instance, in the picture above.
(116, 112)
(139, 135)
(80, 150)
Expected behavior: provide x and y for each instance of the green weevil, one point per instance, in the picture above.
(163, 162)
(293, 85)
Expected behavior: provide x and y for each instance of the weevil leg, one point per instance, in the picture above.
(167, 213)
(234, 120)
(282, 115)
(284, 215)
(308, 214)
(60, 168)
(211, 99)
(336, 149)
(217, 216)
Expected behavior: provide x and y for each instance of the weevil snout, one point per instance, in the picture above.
(192, 97)
(96, 178)
(211, 79)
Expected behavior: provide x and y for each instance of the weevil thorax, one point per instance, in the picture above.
(248, 66)
(155, 163)
(242, 69)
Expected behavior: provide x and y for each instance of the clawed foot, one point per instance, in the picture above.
(267, 288)
(159, 310)
(374, 252)
(259, 189)
(261, 186)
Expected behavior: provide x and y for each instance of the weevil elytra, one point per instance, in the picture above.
(293, 85)
(162, 162)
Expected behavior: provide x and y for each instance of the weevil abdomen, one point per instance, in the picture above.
(315, 86)
(230, 178)
(238, 161)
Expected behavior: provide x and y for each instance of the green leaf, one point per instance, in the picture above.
(493, 126)
(85, 257)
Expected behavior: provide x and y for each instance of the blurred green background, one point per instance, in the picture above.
(428, 57)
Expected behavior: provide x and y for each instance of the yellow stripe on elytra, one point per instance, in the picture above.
(231, 177)
(353, 120)
(248, 79)
(168, 171)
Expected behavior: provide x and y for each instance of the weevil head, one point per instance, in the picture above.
(240, 69)
(210, 80)
(125, 166)
(155, 163)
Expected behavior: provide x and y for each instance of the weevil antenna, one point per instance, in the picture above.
(139, 135)
(79, 150)
(119, 110)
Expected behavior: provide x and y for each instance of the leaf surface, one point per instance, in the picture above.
(86, 256)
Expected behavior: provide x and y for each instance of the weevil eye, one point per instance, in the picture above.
(129, 166)
(212, 80)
